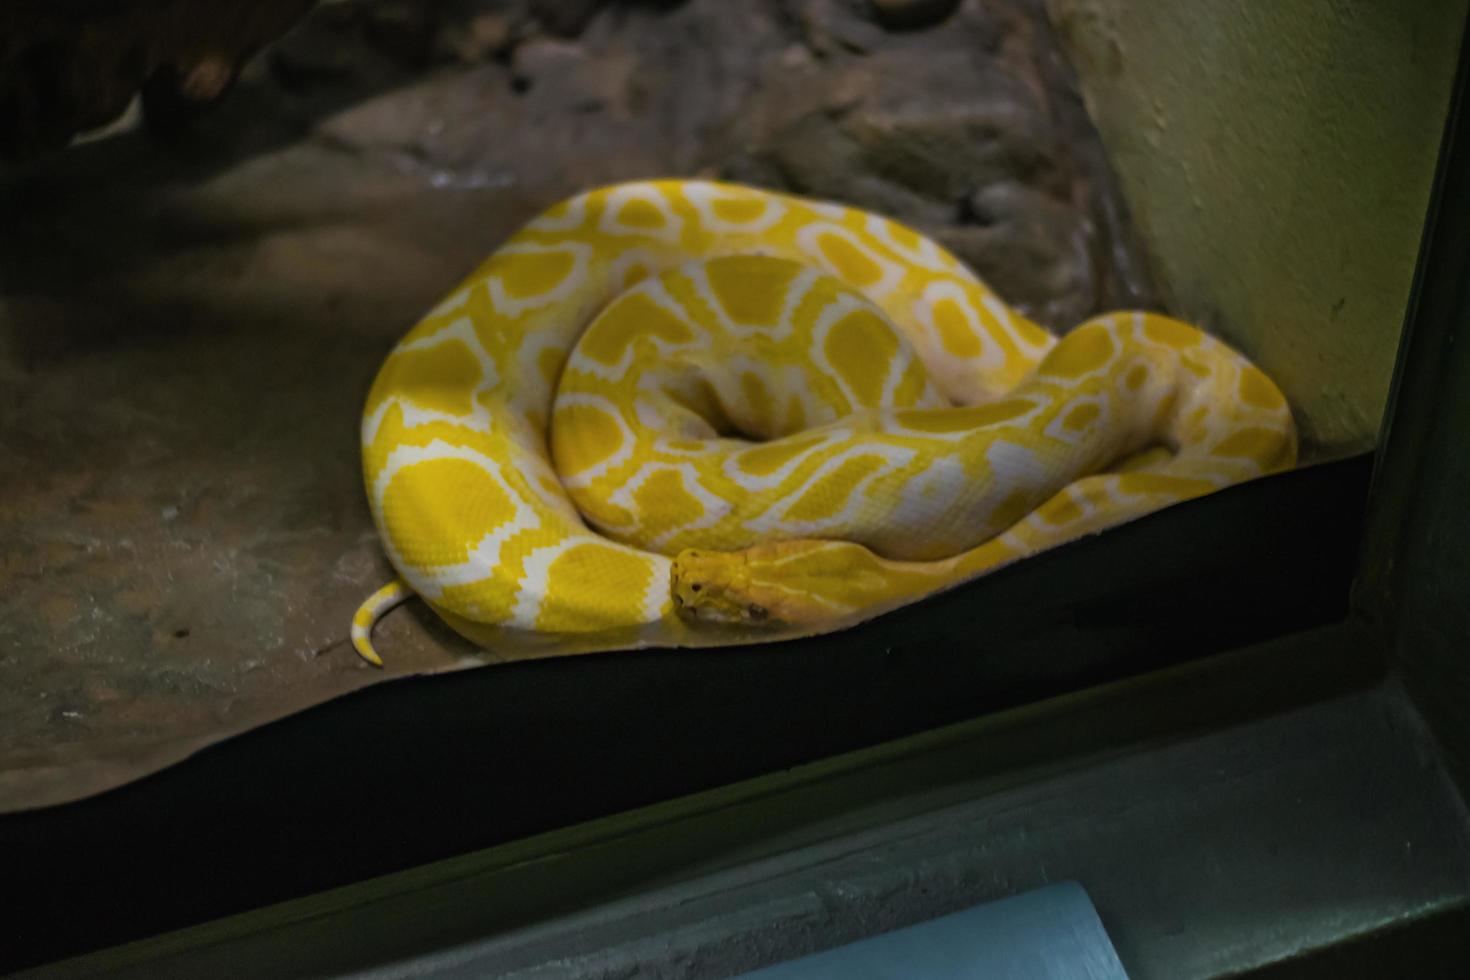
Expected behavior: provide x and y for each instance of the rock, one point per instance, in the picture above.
(209, 78)
(1034, 243)
(964, 131)
(326, 47)
(483, 37)
(912, 14)
(172, 101)
(542, 58)
(565, 18)
(832, 28)
(967, 146)
(545, 63)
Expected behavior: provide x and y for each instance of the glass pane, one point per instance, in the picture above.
(199, 286)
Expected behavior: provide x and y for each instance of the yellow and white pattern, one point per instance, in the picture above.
(691, 413)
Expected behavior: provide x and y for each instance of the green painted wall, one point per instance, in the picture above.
(1277, 157)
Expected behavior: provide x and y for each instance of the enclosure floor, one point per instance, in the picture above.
(187, 331)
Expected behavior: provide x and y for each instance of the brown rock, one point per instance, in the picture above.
(483, 37)
(207, 79)
(835, 27)
(543, 58)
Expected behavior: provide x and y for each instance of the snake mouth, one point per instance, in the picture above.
(750, 614)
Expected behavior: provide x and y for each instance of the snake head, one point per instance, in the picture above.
(717, 587)
(752, 588)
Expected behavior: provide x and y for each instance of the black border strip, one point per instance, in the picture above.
(428, 768)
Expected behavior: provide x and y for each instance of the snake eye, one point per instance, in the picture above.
(695, 587)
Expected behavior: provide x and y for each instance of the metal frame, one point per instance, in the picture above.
(546, 788)
(1412, 585)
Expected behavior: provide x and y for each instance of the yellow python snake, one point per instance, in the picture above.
(686, 413)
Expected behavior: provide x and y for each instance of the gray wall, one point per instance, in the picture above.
(1277, 156)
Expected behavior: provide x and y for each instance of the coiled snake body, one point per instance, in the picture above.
(692, 413)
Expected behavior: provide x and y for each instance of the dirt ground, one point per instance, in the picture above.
(188, 328)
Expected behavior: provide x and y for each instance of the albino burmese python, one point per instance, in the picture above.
(690, 413)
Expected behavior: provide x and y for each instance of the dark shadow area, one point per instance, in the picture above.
(1428, 947)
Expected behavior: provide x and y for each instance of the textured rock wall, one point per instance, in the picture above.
(969, 128)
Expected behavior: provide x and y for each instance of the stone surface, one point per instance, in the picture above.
(187, 331)
(480, 38)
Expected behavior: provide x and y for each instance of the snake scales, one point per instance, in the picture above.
(692, 413)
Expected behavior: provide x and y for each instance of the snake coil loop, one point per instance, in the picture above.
(692, 413)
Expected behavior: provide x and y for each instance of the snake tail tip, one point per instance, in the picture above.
(366, 651)
(373, 608)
